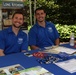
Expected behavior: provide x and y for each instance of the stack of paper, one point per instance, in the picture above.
(19, 70)
(11, 70)
(58, 49)
(69, 65)
(37, 70)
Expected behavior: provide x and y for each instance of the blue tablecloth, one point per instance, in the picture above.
(68, 46)
(27, 62)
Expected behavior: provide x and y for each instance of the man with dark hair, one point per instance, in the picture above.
(41, 8)
(43, 33)
(13, 39)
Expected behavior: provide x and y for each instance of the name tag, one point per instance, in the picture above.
(50, 29)
(20, 40)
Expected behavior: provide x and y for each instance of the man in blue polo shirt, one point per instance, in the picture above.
(43, 33)
(13, 39)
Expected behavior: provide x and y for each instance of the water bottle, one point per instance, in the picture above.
(72, 39)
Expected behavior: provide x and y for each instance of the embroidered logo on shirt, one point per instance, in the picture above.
(50, 29)
(20, 40)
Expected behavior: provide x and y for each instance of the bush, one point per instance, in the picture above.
(65, 31)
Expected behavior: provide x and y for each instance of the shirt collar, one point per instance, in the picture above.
(46, 23)
(10, 30)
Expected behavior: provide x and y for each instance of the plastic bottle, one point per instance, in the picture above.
(72, 39)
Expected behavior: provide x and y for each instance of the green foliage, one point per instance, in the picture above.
(26, 2)
(66, 30)
(67, 11)
(59, 11)
(0, 1)
(29, 27)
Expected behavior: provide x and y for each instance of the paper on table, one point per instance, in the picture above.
(64, 49)
(58, 49)
(11, 70)
(69, 65)
(50, 50)
(37, 70)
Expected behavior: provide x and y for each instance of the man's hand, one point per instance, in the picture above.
(2, 52)
(33, 47)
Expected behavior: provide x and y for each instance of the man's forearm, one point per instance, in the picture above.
(57, 42)
(1, 53)
(34, 47)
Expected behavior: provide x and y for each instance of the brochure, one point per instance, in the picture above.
(37, 70)
(11, 70)
(68, 65)
(19, 70)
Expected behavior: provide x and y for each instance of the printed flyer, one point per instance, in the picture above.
(11, 70)
(37, 70)
(19, 70)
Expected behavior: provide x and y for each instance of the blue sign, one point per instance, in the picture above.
(12, 4)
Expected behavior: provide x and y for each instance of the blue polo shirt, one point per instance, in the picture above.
(11, 43)
(43, 37)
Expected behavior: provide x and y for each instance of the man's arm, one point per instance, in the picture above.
(2, 52)
(33, 47)
(57, 42)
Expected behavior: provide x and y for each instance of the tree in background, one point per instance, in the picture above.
(59, 11)
(67, 11)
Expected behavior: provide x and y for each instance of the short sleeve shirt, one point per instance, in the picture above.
(43, 37)
(11, 43)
